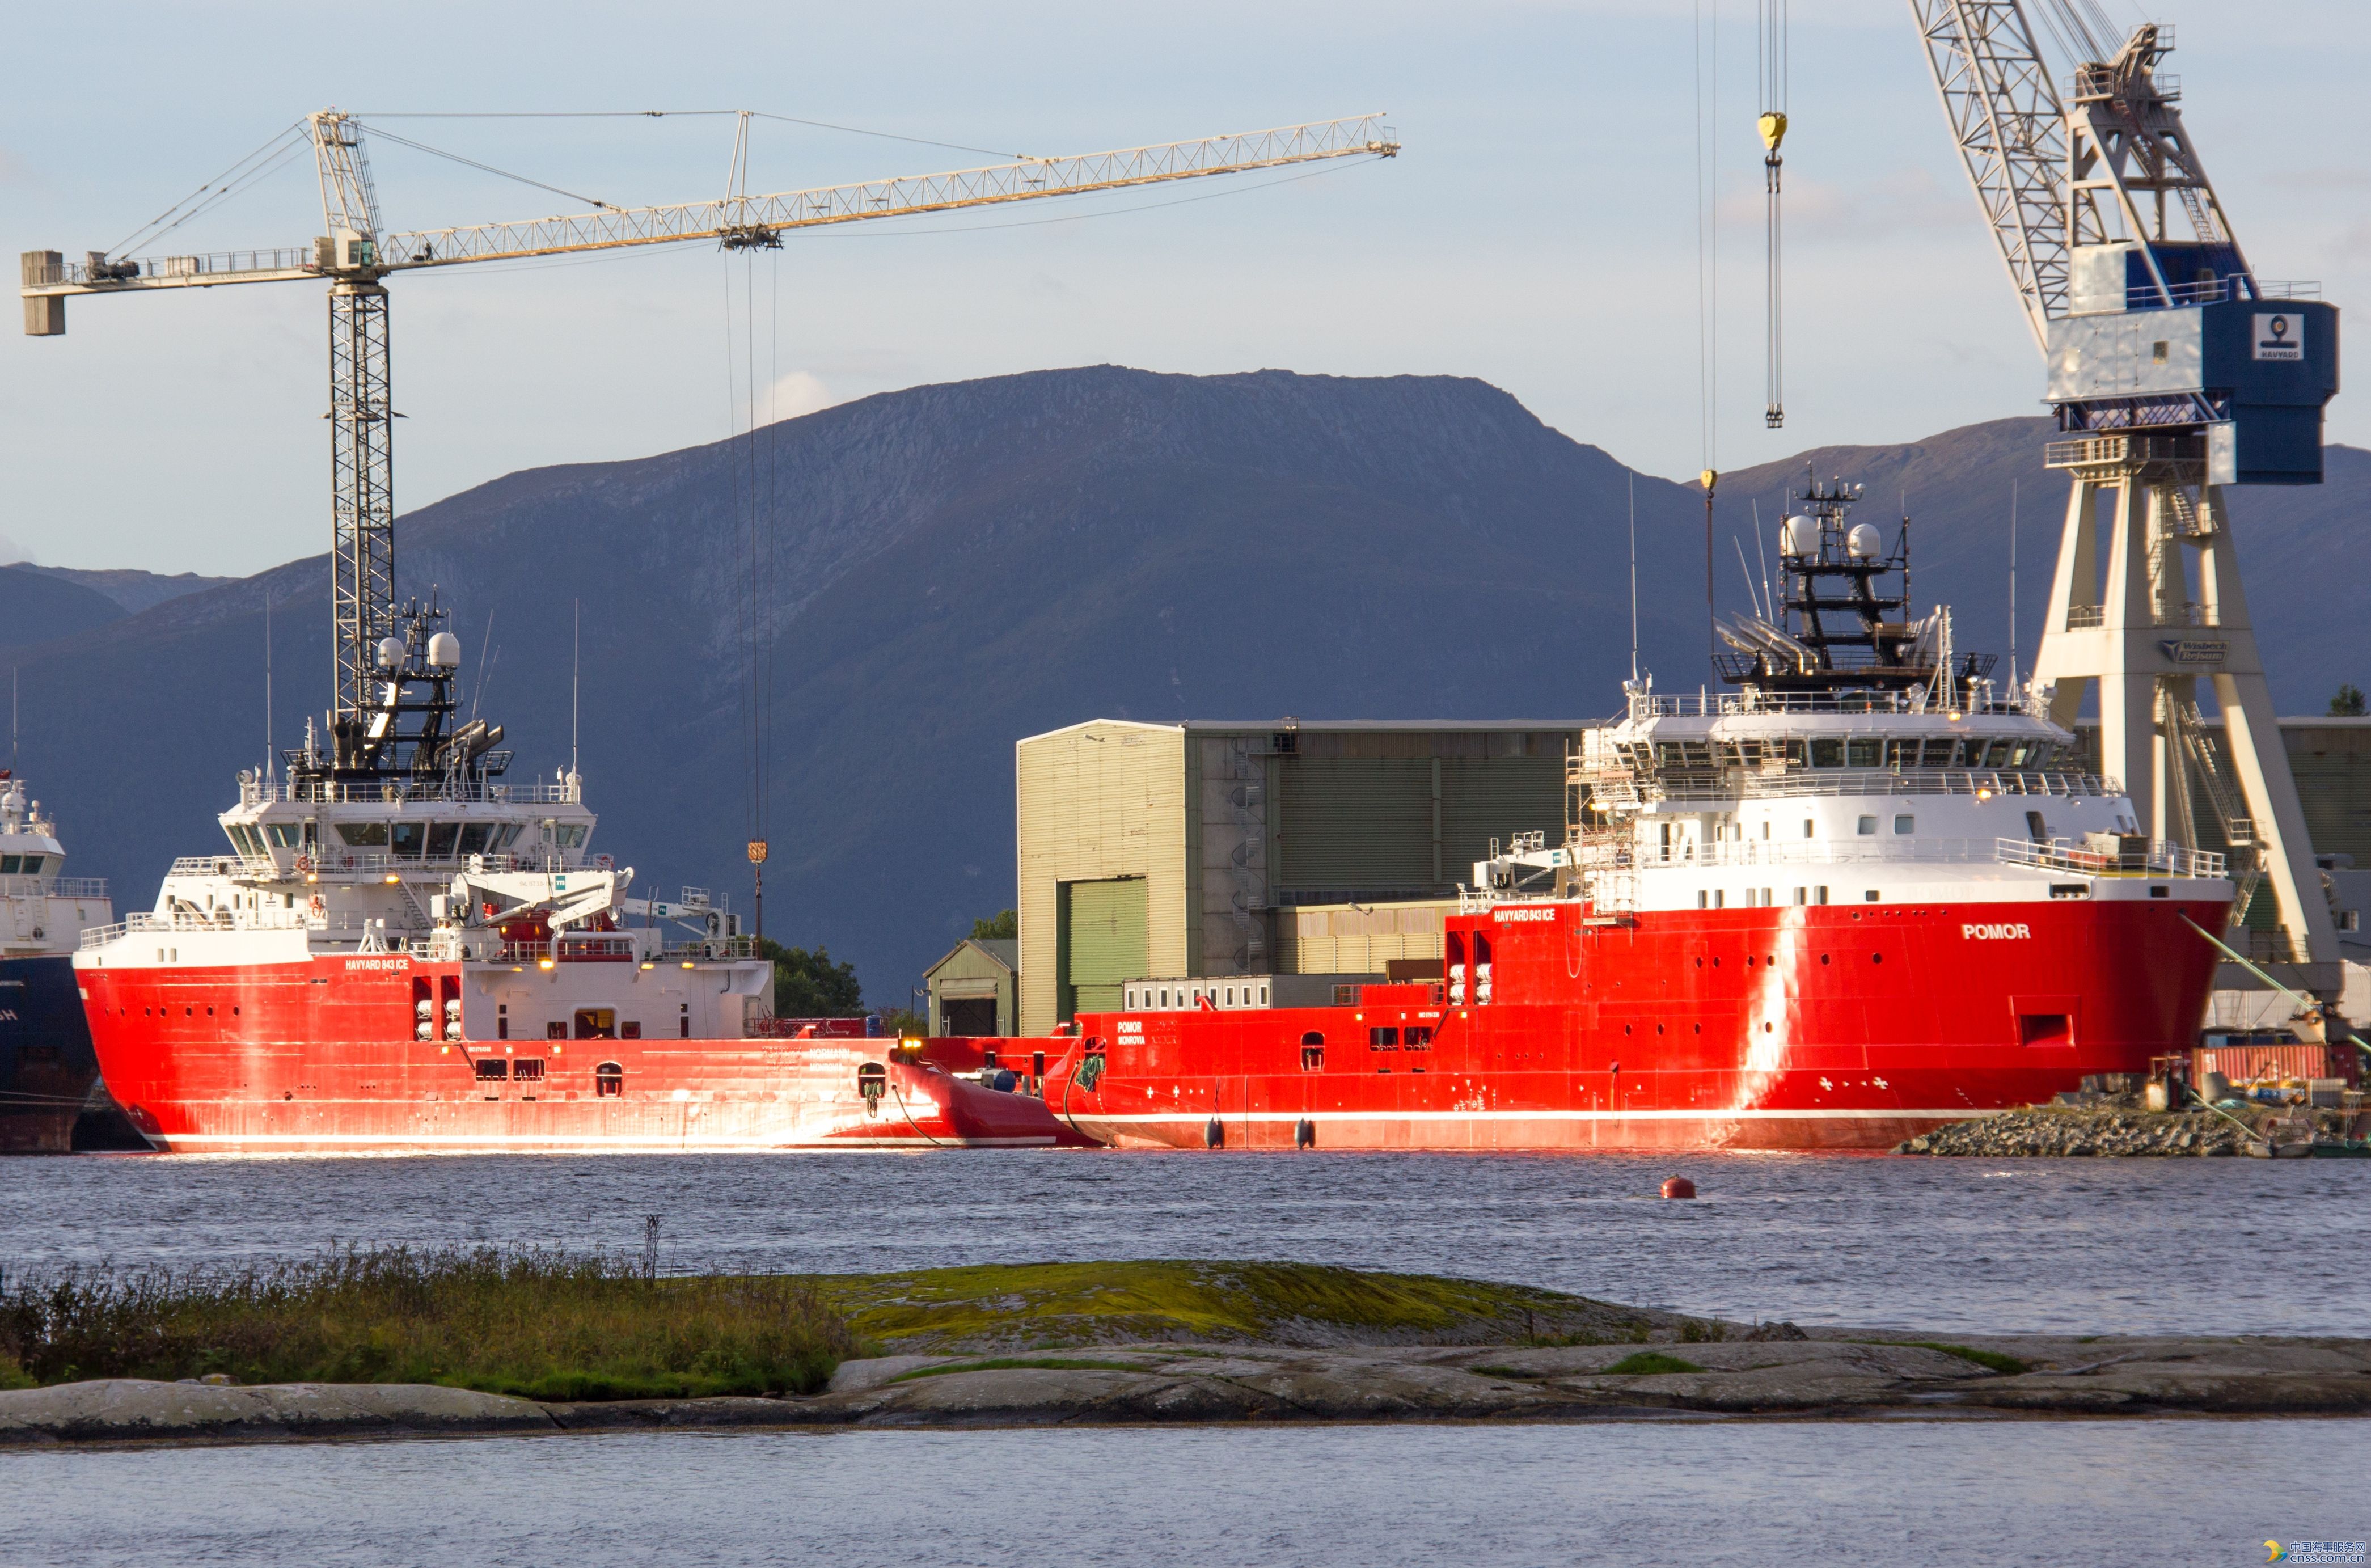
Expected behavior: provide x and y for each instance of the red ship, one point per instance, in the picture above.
(1863, 894)
(405, 950)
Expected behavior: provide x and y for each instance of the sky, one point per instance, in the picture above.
(1539, 231)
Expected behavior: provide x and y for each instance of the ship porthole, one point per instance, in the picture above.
(1877, 958)
(1765, 1029)
(1823, 957)
(1700, 1028)
(1625, 1028)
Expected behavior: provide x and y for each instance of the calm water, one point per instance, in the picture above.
(2085, 1246)
(1934, 1493)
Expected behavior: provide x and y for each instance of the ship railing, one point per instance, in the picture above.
(2060, 855)
(52, 887)
(430, 791)
(1753, 702)
(711, 947)
(2159, 859)
(1632, 790)
(603, 947)
(375, 864)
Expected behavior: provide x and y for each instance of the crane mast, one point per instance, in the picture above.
(355, 252)
(2176, 372)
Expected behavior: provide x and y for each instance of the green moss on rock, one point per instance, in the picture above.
(1047, 1306)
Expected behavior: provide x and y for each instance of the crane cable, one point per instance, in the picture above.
(1772, 123)
(221, 188)
(1707, 297)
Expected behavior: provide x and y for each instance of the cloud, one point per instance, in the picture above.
(1815, 210)
(13, 554)
(801, 392)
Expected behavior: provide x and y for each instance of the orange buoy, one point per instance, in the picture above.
(1679, 1187)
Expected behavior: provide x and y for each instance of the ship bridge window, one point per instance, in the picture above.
(406, 838)
(609, 1079)
(1995, 755)
(363, 834)
(441, 838)
(1827, 753)
(10, 865)
(1865, 754)
(492, 1067)
(1941, 752)
(474, 835)
(569, 835)
(286, 835)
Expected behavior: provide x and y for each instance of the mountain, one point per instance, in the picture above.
(135, 591)
(947, 569)
(35, 607)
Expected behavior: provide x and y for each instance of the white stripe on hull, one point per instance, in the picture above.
(1196, 1118)
(462, 1142)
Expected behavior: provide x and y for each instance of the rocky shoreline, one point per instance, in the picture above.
(1826, 1375)
(2084, 1132)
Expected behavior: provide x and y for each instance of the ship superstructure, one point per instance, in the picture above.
(405, 948)
(47, 1073)
(1865, 892)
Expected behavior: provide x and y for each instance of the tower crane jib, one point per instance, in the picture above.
(356, 254)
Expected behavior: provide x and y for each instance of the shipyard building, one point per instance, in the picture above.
(1205, 851)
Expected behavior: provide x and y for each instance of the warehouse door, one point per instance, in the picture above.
(1104, 941)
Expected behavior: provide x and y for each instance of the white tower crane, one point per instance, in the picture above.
(2177, 372)
(355, 253)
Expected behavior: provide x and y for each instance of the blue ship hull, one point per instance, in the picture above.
(48, 1071)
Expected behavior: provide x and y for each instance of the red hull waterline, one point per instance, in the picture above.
(319, 1056)
(1786, 1027)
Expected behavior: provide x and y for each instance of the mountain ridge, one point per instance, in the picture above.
(948, 568)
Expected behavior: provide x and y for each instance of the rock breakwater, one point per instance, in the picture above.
(2080, 1133)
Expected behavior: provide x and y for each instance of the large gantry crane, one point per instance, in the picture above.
(356, 254)
(2174, 372)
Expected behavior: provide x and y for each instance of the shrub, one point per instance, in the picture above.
(539, 1323)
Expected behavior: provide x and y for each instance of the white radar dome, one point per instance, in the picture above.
(1800, 535)
(391, 652)
(1863, 541)
(444, 650)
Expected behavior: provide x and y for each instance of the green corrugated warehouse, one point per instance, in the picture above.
(1201, 850)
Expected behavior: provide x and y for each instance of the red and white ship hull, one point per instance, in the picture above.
(321, 1056)
(1785, 1028)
